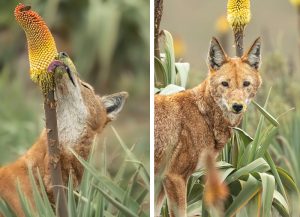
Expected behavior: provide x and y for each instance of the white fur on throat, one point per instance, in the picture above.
(71, 113)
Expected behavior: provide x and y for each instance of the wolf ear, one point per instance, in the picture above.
(114, 104)
(252, 57)
(216, 55)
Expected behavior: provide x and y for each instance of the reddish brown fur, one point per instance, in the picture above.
(197, 120)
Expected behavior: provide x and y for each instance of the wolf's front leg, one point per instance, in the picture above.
(175, 188)
(159, 201)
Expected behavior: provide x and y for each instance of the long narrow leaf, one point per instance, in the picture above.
(268, 188)
(144, 173)
(250, 188)
(259, 165)
(280, 204)
(266, 114)
(117, 204)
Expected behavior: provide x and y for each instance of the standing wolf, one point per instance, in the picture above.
(194, 121)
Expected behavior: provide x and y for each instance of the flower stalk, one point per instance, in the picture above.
(42, 51)
(157, 19)
(238, 16)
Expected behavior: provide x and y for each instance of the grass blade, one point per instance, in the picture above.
(144, 173)
(266, 114)
(117, 204)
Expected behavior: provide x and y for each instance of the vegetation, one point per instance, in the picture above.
(262, 170)
(124, 194)
(109, 42)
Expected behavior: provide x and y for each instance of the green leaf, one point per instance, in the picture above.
(223, 165)
(39, 203)
(253, 208)
(106, 183)
(5, 209)
(287, 180)
(126, 200)
(160, 73)
(280, 204)
(44, 195)
(71, 200)
(259, 165)
(144, 174)
(249, 190)
(266, 141)
(194, 208)
(244, 136)
(169, 56)
(275, 173)
(268, 188)
(226, 173)
(117, 204)
(266, 114)
(183, 72)
(250, 154)
(24, 201)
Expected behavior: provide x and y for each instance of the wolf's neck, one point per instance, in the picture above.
(71, 118)
(217, 120)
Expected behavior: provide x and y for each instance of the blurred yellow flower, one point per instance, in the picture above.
(179, 47)
(295, 2)
(222, 24)
(238, 13)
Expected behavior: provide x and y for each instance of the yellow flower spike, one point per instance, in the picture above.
(41, 46)
(295, 2)
(238, 14)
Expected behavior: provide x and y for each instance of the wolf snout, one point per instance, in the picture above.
(59, 69)
(237, 107)
(53, 65)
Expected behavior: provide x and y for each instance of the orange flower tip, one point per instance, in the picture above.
(21, 8)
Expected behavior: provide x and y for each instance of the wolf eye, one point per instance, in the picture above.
(86, 86)
(64, 54)
(246, 83)
(225, 83)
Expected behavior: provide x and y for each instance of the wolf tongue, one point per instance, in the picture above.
(41, 46)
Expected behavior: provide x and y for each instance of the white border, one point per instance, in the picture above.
(151, 107)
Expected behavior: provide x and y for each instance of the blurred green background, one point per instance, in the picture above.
(109, 43)
(193, 23)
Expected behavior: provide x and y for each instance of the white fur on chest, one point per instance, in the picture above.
(71, 115)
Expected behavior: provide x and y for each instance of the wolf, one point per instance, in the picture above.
(191, 122)
(81, 116)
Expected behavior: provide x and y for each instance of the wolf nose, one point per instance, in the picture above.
(237, 107)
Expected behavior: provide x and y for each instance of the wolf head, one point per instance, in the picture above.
(81, 113)
(233, 82)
